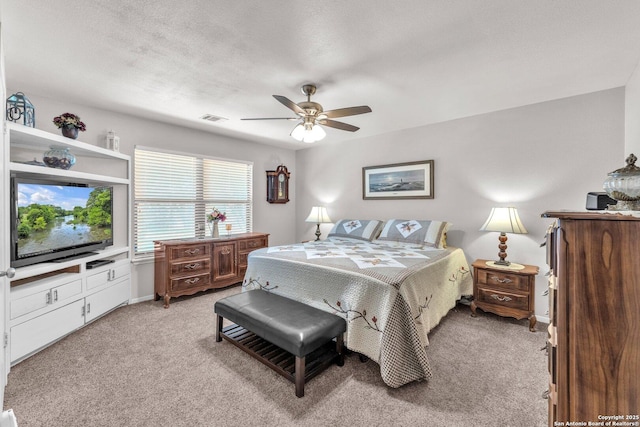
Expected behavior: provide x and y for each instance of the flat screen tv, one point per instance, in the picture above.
(52, 221)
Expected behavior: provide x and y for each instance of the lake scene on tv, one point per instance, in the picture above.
(52, 217)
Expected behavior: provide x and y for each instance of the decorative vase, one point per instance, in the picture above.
(623, 185)
(59, 157)
(214, 232)
(70, 132)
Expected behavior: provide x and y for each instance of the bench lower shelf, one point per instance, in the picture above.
(281, 361)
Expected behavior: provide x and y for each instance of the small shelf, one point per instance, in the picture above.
(45, 268)
(31, 171)
(27, 137)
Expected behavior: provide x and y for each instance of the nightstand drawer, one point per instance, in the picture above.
(503, 280)
(505, 299)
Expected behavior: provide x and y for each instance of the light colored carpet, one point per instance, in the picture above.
(142, 365)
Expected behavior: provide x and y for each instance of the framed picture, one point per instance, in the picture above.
(413, 180)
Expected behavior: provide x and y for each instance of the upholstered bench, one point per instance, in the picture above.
(292, 338)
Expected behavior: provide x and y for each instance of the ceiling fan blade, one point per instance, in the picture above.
(343, 112)
(273, 118)
(290, 104)
(338, 125)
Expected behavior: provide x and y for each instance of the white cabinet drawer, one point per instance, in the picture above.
(30, 302)
(109, 274)
(36, 333)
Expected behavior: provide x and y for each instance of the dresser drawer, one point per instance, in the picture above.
(505, 299)
(190, 267)
(191, 251)
(190, 282)
(503, 280)
(251, 244)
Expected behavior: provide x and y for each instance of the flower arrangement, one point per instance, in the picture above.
(216, 215)
(69, 120)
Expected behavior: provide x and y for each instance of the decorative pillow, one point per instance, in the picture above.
(421, 232)
(361, 229)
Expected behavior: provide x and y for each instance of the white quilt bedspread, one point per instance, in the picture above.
(391, 294)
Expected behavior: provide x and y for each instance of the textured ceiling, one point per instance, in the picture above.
(414, 62)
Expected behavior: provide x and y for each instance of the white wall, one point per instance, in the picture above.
(275, 219)
(632, 115)
(541, 157)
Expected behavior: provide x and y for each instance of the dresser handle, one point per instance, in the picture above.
(497, 279)
(499, 298)
(192, 266)
(192, 281)
(192, 251)
(226, 251)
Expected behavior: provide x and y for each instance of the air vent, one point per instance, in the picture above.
(212, 118)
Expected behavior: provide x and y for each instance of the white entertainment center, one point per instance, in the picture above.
(49, 300)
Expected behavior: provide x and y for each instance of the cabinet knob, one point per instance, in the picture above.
(9, 273)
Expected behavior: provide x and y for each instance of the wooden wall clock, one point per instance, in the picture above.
(278, 185)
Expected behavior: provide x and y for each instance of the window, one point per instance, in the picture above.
(174, 192)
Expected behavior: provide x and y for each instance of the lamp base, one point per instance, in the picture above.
(510, 266)
(318, 232)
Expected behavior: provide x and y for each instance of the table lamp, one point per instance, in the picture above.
(504, 220)
(318, 215)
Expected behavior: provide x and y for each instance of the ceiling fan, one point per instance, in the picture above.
(311, 115)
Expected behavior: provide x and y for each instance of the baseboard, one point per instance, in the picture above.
(543, 319)
(137, 300)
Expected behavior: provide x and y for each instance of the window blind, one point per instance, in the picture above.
(173, 192)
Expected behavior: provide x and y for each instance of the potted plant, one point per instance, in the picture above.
(70, 124)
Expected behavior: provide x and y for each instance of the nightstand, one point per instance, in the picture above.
(504, 291)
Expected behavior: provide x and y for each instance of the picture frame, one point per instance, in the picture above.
(411, 180)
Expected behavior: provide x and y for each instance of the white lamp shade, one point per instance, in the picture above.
(318, 215)
(504, 220)
(298, 132)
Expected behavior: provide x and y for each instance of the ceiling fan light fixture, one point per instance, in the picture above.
(317, 133)
(308, 132)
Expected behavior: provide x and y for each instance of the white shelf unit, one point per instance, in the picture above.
(49, 300)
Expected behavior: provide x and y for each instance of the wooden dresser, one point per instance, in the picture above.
(184, 267)
(594, 308)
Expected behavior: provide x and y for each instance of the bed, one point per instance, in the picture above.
(393, 282)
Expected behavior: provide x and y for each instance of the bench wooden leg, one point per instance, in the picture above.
(340, 349)
(299, 374)
(218, 327)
